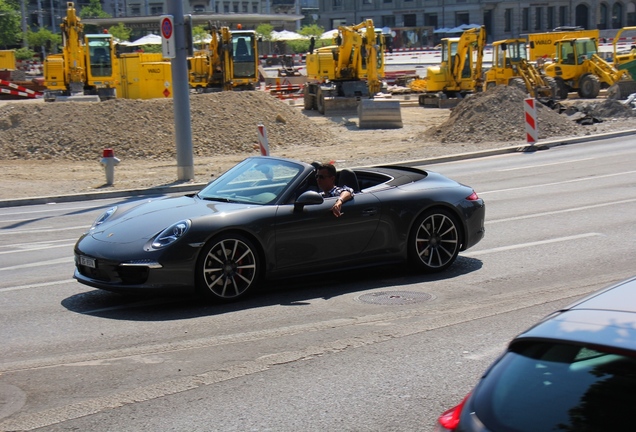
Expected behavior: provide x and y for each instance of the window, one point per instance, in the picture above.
(508, 20)
(430, 20)
(563, 15)
(156, 9)
(244, 7)
(410, 20)
(254, 7)
(388, 21)
(198, 8)
(617, 15)
(367, 2)
(462, 18)
(135, 10)
(337, 4)
(538, 18)
(551, 20)
(525, 19)
(387, 1)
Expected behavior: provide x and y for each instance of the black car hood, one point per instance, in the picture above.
(146, 220)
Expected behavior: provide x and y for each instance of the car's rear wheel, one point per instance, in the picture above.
(228, 268)
(435, 240)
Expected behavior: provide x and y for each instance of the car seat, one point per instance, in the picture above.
(346, 177)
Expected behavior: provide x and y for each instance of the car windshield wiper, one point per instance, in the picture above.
(216, 198)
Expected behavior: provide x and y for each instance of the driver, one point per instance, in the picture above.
(326, 179)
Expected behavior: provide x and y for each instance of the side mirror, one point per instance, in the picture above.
(308, 198)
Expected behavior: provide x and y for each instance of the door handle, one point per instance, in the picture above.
(369, 212)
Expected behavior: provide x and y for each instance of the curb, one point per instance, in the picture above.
(195, 187)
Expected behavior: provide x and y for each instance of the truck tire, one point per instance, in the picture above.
(320, 101)
(589, 86)
(308, 99)
(562, 89)
(519, 83)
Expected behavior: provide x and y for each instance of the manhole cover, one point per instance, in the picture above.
(395, 297)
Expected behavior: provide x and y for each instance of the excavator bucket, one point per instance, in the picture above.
(379, 114)
(622, 89)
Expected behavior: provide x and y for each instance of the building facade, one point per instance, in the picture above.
(415, 23)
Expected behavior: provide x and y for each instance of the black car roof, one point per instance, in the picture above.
(606, 318)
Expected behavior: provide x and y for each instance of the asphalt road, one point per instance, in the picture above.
(341, 352)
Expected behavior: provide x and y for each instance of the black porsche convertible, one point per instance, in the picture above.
(265, 219)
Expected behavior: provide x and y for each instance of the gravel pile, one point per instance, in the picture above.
(498, 114)
(222, 123)
(226, 123)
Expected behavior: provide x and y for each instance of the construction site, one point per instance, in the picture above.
(52, 139)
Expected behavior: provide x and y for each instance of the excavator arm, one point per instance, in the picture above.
(471, 40)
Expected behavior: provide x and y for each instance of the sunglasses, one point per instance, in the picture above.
(321, 176)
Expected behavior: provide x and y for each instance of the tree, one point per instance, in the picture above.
(199, 34)
(265, 31)
(10, 31)
(93, 10)
(120, 31)
(43, 38)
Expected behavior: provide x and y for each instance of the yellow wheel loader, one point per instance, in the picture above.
(230, 62)
(625, 61)
(510, 67)
(87, 67)
(458, 75)
(578, 67)
(347, 75)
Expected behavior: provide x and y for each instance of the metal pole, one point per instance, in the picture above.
(25, 43)
(181, 95)
(52, 18)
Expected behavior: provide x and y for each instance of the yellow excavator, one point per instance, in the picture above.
(510, 67)
(86, 68)
(348, 75)
(230, 62)
(459, 73)
(578, 67)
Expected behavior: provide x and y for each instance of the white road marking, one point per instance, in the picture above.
(43, 230)
(30, 247)
(40, 264)
(555, 212)
(37, 285)
(531, 244)
(558, 183)
(544, 165)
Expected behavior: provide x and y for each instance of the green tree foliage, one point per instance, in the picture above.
(93, 10)
(199, 34)
(10, 31)
(312, 30)
(43, 38)
(265, 31)
(24, 54)
(120, 31)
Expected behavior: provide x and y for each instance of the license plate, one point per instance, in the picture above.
(86, 261)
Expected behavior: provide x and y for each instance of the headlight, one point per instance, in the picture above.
(104, 217)
(171, 234)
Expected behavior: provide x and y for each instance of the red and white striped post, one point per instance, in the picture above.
(530, 110)
(262, 140)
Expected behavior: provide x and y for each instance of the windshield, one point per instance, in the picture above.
(244, 54)
(253, 181)
(100, 57)
(557, 387)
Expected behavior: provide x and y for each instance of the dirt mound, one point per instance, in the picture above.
(222, 123)
(499, 114)
(605, 109)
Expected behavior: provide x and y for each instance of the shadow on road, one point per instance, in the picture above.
(289, 292)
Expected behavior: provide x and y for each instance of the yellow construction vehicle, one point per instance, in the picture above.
(230, 62)
(542, 44)
(510, 67)
(578, 67)
(342, 75)
(87, 65)
(625, 61)
(458, 75)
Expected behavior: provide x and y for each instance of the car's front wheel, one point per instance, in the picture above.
(228, 268)
(434, 241)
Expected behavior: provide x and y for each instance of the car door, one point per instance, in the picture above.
(313, 237)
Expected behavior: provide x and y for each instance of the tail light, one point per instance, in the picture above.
(449, 420)
(472, 197)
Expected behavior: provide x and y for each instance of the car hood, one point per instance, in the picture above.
(146, 220)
